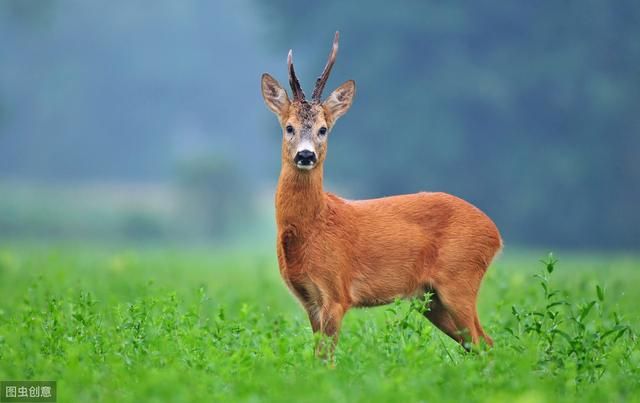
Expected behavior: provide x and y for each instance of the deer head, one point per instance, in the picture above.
(306, 124)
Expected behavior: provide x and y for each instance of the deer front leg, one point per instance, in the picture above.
(313, 311)
(329, 321)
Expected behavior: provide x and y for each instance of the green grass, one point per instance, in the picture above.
(169, 324)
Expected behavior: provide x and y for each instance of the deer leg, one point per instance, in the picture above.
(461, 306)
(330, 321)
(440, 317)
(485, 336)
(313, 312)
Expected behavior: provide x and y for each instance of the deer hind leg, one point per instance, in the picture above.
(440, 317)
(463, 316)
(458, 299)
(485, 336)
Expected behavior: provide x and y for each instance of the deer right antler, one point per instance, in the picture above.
(298, 94)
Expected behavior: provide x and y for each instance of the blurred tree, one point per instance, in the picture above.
(31, 12)
(216, 197)
(528, 110)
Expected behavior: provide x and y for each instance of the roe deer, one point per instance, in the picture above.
(335, 254)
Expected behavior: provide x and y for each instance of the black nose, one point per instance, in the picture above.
(305, 157)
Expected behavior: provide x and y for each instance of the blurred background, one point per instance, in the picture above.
(143, 121)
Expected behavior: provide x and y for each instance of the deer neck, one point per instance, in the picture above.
(300, 197)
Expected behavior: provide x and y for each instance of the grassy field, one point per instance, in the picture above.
(171, 324)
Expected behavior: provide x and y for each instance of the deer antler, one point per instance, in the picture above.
(321, 81)
(298, 94)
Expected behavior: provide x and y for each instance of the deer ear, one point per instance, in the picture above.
(339, 102)
(274, 95)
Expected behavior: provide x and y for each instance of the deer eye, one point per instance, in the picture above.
(322, 131)
(289, 129)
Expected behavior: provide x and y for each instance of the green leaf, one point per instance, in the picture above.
(554, 293)
(546, 289)
(584, 311)
(551, 305)
(620, 333)
(550, 263)
(613, 330)
(563, 334)
(600, 293)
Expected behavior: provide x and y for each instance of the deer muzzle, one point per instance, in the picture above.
(305, 159)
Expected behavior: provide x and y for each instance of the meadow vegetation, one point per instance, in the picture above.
(155, 323)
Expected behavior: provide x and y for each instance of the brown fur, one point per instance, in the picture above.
(336, 254)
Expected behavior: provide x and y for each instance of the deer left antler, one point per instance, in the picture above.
(321, 81)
